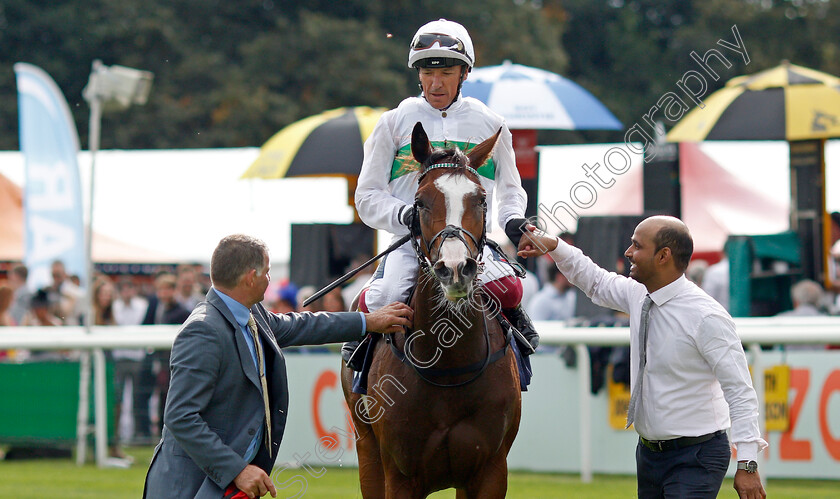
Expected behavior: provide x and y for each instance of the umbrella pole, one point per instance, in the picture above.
(808, 217)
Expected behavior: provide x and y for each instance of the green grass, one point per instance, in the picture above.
(61, 478)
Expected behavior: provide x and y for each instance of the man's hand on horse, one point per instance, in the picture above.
(390, 318)
(535, 242)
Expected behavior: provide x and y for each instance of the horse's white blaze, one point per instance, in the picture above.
(454, 189)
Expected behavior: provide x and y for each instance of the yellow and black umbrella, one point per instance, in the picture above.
(787, 102)
(326, 144)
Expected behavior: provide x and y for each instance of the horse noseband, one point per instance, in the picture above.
(457, 233)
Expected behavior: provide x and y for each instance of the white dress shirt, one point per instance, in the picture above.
(130, 314)
(696, 377)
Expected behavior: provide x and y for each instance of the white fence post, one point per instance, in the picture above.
(82, 411)
(100, 413)
(585, 410)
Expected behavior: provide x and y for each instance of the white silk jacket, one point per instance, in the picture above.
(388, 180)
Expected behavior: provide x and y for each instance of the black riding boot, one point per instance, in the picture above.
(523, 324)
(348, 350)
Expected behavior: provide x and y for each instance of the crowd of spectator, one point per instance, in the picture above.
(128, 300)
(140, 377)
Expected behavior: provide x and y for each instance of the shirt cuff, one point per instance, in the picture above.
(747, 451)
(561, 252)
(364, 324)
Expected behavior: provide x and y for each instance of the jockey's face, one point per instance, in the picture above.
(440, 85)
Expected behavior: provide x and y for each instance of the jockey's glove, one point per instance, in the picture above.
(406, 215)
(514, 228)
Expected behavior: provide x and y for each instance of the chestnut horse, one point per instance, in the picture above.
(443, 403)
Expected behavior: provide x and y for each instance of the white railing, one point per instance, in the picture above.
(763, 330)
(753, 332)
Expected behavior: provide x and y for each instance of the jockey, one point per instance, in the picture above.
(442, 52)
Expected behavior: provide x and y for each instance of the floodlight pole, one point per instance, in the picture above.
(105, 84)
(99, 383)
(100, 395)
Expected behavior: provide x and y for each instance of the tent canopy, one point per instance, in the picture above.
(105, 249)
(715, 201)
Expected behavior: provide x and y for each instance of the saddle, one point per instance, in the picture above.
(362, 357)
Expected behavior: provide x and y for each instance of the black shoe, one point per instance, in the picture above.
(523, 324)
(348, 353)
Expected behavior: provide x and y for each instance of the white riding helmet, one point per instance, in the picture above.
(441, 43)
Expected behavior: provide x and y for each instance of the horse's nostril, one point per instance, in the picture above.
(443, 272)
(469, 268)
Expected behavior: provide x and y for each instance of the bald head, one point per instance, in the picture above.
(671, 232)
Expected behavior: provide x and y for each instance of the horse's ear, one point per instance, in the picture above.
(421, 149)
(479, 154)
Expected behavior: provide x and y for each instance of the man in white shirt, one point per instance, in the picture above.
(129, 310)
(690, 378)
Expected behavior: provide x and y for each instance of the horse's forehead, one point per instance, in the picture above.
(455, 185)
(455, 188)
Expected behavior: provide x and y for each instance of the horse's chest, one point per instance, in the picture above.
(426, 426)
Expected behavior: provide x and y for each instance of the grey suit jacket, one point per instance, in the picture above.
(215, 406)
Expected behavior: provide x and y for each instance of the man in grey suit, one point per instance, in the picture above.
(215, 434)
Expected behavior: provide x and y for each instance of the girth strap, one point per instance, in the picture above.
(453, 371)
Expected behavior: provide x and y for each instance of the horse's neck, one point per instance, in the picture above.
(455, 334)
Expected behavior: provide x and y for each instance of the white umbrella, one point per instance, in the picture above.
(531, 98)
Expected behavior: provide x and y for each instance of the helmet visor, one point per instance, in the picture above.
(427, 40)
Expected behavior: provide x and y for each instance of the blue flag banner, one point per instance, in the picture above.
(52, 201)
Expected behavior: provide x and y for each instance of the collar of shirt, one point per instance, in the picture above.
(241, 314)
(455, 106)
(665, 293)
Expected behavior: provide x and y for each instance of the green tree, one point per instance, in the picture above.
(232, 73)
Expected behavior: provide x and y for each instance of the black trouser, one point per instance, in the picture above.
(693, 472)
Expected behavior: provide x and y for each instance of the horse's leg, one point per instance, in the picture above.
(399, 486)
(371, 474)
(491, 480)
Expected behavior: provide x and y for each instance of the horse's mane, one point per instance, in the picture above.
(409, 165)
(455, 160)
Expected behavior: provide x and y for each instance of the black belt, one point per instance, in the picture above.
(677, 443)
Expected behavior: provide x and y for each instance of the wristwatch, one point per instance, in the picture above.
(748, 466)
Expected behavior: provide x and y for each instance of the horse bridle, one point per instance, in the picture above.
(448, 231)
